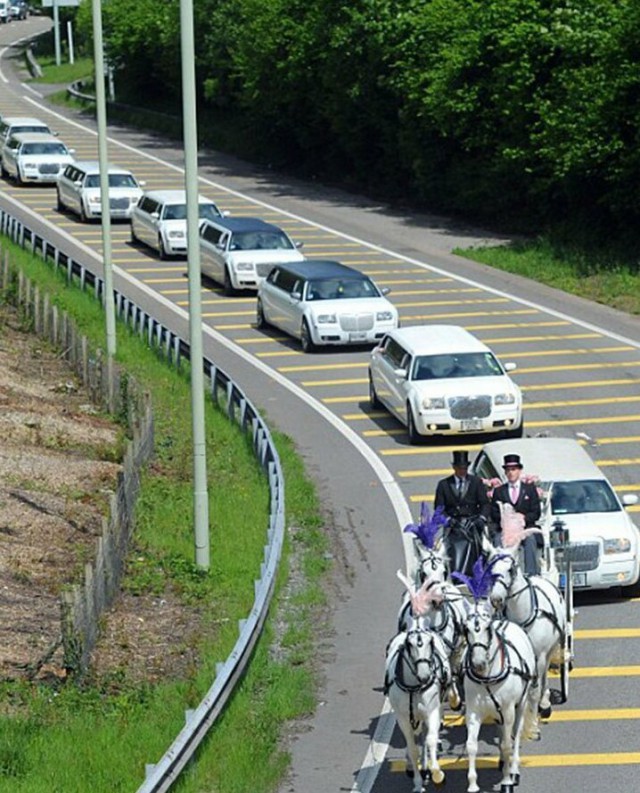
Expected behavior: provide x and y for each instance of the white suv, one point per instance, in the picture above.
(34, 157)
(159, 220)
(5, 13)
(604, 541)
(78, 189)
(442, 380)
(239, 252)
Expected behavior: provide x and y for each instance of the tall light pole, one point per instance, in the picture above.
(103, 159)
(201, 497)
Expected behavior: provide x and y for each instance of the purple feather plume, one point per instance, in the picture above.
(481, 581)
(427, 528)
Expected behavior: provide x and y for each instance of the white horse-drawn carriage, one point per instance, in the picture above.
(493, 635)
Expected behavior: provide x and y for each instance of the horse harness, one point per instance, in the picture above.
(503, 648)
(407, 674)
(536, 609)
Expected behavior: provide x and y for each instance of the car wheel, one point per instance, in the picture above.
(3, 172)
(162, 253)
(59, 204)
(227, 285)
(305, 337)
(83, 214)
(261, 322)
(134, 239)
(18, 177)
(373, 397)
(414, 435)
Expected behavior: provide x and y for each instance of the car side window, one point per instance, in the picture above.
(394, 353)
(286, 281)
(273, 276)
(485, 469)
(211, 234)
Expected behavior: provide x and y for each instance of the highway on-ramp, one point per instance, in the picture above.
(578, 365)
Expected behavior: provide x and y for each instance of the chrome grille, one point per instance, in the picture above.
(356, 322)
(48, 168)
(584, 556)
(465, 407)
(119, 203)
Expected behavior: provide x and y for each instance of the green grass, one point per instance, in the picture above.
(56, 738)
(65, 73)
(594, 275)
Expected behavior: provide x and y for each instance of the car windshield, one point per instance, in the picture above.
(260, 241)
(44, 148)
(209, 212)
(470, 364)
(115, 180)
(339, 288)
(585, 495)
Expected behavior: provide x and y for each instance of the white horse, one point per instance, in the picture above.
(499, 670)
(537, 606)
(444, 613)
(417, 673)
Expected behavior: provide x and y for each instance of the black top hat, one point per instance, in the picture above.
(512, 460)
(461, 458)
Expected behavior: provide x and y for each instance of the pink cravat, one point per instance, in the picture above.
(514, 493)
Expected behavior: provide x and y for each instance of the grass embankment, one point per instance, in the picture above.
(100, 734)
(599, 276)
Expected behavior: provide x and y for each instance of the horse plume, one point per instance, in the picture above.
(481, 581)
(512, 525)
(428, 527)
(421, 598)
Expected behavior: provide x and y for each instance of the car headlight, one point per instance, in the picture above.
(176, 235)
(434, 403)
(326, 319)
(244, 267)
(384, 316)
(504, 399)
(617, 545)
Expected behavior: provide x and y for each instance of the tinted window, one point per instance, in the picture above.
(175, 212)
(284, 280)
(394, 353)
(260, 240)
(44, 148)
(211, 234)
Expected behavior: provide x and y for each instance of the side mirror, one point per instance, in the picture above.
(509, 367)
(629, 500)
(299, 244)
(385, 290)
(141, 184)
(72, 151)
(401, 373)
(296, 296)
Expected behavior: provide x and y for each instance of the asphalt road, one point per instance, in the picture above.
(578, 364)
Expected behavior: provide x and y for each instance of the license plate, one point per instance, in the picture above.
(357, 337)
(579, 579)
(470, 425)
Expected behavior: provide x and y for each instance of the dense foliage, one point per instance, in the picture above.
(502, 108)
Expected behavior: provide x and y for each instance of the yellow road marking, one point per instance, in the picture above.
(607, 633)
(574, 402)
(533, 761)
(576, 367)
(581, 384)
(482, 300)
(553, 337)
(228, 314)
(406, 292)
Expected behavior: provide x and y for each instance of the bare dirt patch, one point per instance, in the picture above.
(56, 473)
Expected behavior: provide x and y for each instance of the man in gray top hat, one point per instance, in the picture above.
(463, 498)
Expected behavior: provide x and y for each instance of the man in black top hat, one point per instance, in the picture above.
(463, 497)
(524, 498)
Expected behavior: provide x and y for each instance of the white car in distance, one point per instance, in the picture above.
(159, 220)
(34, 157)
(239, 252)
(442, 380)
(78, 189)
(324, 302)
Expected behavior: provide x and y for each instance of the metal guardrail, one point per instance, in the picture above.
(160, 776)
